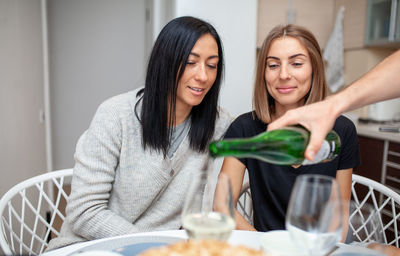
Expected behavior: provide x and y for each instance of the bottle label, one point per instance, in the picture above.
(324, 153)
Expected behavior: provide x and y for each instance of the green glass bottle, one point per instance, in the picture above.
(284, 146)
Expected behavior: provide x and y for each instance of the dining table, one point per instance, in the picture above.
(138, 242)
(238, 237)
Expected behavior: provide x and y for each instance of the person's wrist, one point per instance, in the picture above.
(337, 105)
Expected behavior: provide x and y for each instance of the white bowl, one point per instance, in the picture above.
(279, 243)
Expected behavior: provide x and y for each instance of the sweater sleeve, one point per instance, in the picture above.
(96, 159)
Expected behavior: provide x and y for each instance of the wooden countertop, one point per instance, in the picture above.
(372, 131)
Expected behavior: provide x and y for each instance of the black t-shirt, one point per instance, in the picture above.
(271, 184)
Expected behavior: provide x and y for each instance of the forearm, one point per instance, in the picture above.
(235, 170)
(344, 179)
(88, 210)
(242, 223)
(97, 223)
(380, 83)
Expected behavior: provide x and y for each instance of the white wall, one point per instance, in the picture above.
(236, 23)
(97, 50)
(162, 12)
(22, 133)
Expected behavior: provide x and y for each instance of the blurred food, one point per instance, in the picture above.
(203, 248)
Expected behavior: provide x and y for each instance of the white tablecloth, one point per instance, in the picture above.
(238, 237)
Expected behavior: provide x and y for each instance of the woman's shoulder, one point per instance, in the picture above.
(249, 119)
(349, 150)
(117, 108)
(122, 99)
(121, 103)
(345, 128)
(228, 119)
(224, 115)
(344, 123)
(246, 125)
(222, 123)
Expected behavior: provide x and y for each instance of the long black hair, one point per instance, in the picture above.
(165, 68)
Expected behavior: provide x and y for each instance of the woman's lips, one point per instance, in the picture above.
(196, 90)
(285, 90)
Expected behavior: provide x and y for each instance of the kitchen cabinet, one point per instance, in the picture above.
(381, 162)
(371, 151)
(369, 23)
(383, 23)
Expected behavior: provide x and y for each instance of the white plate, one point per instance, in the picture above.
(96, 253)
(279, 243)
(354, 250)
(128, 246)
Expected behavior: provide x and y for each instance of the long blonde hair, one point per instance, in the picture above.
(263, 103)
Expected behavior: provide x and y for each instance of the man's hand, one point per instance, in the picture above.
(318, 118)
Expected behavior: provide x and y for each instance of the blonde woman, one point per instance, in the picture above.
(290, 74)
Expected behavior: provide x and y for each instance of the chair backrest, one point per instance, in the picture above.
(245, 203)
(29, 211)
(385, 201)
(364, 190)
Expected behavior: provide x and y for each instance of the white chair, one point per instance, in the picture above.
(384, 200)
(364, 190)
(245, 203)
(29, 211)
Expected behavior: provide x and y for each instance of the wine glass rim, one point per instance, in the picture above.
(316, 176)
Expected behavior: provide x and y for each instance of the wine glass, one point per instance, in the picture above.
(206, 220)
(314, 214)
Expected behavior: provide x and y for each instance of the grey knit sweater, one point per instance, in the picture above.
(117, 187)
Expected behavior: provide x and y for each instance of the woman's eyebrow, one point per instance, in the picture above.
(198, 56)
(290, 57)
(297, 55)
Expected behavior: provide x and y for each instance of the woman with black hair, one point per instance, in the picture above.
(135, 162)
